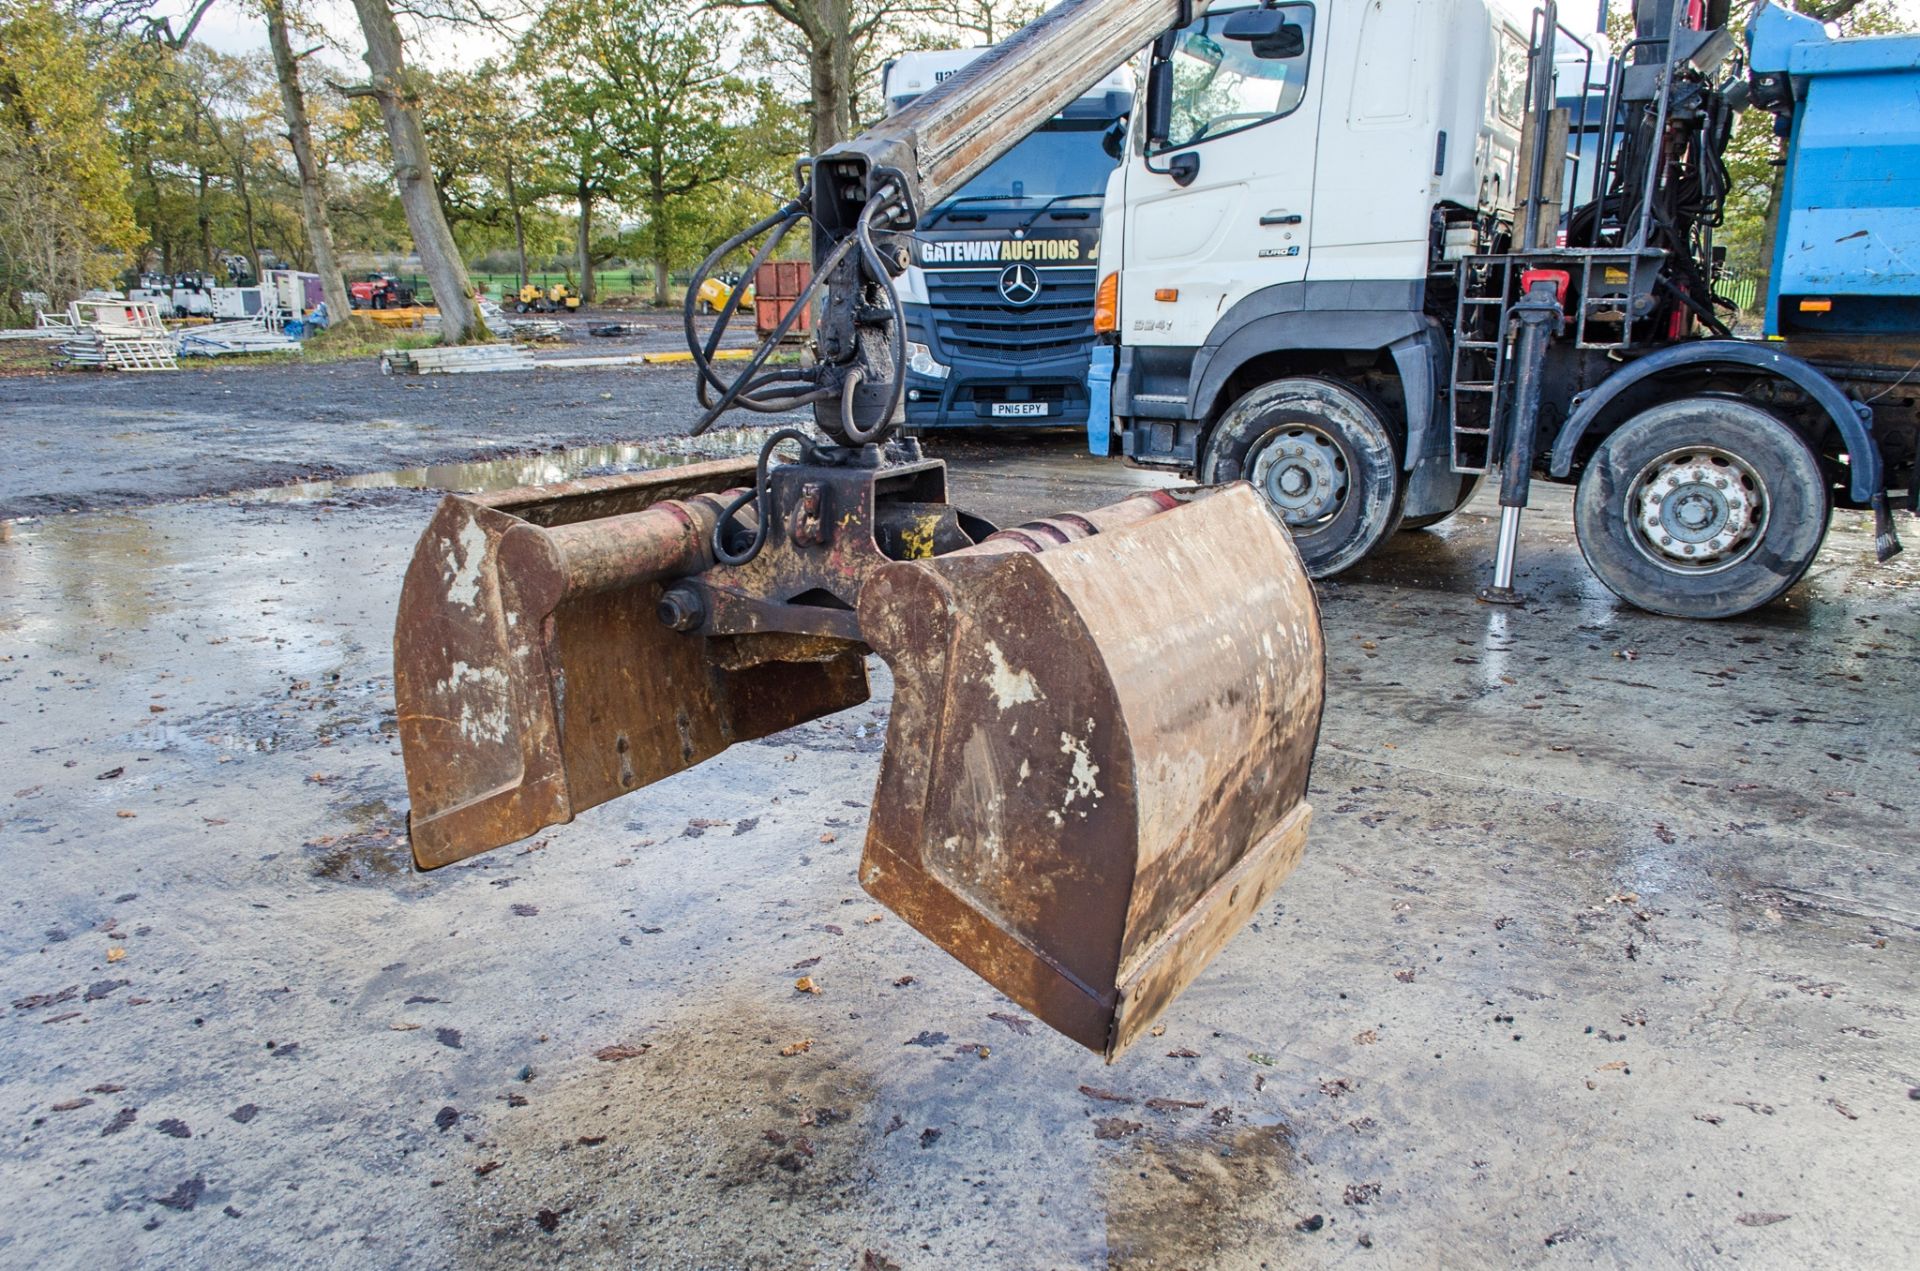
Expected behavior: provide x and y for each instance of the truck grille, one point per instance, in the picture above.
(972, 317)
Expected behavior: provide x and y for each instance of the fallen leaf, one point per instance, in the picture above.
(1262, 1058)
(829, 837)
(1761, 1219)
(1013, 1022)
(184, 1196)
(1158, 1030)
(71, 1105)
(804, 963)
(1361, 1193)
(481, 1171)
(797, 1048)
(125, 815)
(1115, 1128)
(614, 1054)
(402, 1027)
(1366, 1037)
(1183, 1053)
(1405, 975)
(116, 953)
(1169, 1105)
(1110, 1096)
(1843, 1110)
(1613, 1066)
(805, 984)
(903, 981)
(929, 1136)
(111, 774)
(870, 919)
(34, 1001)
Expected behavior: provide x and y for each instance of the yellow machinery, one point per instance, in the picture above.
(559, 298)
(713, 295)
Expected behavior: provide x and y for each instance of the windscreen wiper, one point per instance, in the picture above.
(1046, 209)
(946, 209)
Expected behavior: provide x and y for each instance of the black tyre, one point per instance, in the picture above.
(1321, 454)
(1469, 486)
(1706, 507)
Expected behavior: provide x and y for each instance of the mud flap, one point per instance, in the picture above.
(534, 679)
(1096, 768)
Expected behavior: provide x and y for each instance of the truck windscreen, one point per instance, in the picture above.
(1065, 159)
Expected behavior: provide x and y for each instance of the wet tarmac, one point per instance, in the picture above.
(1604, 950)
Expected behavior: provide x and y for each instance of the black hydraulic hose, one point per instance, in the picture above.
(761, 495)
(735, 393)
(783, 218)
(855, 434)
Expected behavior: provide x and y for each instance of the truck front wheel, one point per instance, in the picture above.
(1706, 507)
(1320, 453)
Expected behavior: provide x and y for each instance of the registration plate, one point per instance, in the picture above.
(1018, 410)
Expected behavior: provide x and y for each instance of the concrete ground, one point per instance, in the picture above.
(1604, 950)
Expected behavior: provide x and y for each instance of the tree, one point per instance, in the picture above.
(492, 153)
(312, 178)
(390, 86)
(650, 113)
(65, 222)
(837, 40)
(591, 169)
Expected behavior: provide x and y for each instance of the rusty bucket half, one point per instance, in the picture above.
(1097, 762)
(534, 678)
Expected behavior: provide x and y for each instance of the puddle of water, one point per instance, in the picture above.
(486, 475)
(375, 847)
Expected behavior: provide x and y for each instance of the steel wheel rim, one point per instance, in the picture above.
(1697, 510)
(1301, 470)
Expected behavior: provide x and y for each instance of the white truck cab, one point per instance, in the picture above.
(1284, 202)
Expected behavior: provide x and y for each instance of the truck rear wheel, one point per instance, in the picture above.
(1706, 507)
(1320, 453)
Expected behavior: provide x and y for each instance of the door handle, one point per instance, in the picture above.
(1280, 218)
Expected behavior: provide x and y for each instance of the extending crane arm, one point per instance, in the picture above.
(882, 182)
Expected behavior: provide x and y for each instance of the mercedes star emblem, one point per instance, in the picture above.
(1019, 284)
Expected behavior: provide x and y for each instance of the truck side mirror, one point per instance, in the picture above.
(1267, 32)
(1159, 104)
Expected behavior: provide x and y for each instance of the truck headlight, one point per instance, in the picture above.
(920, 361)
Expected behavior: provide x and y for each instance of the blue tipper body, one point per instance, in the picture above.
(1849, 229)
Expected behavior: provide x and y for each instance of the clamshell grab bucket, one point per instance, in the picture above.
(533, 677)
(1096, 768)
(1096, 765)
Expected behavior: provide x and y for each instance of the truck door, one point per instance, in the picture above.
(1247, 112)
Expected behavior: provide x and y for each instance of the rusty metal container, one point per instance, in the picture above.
(777, 287)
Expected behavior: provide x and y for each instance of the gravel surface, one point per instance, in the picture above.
(1603, 950)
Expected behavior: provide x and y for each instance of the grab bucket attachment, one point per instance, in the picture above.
(1096, 768)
